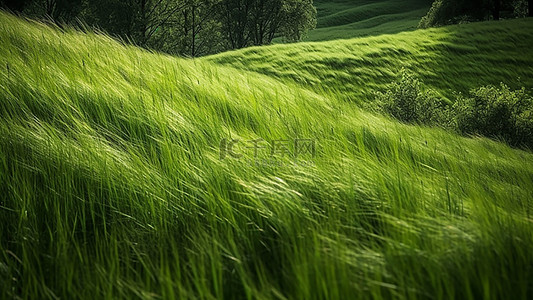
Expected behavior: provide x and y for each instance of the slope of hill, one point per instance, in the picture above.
(449, 59)
(342, 19)
(112, 185)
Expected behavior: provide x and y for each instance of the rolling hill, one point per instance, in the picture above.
(341, 19)
(449, 59)
(115, 181)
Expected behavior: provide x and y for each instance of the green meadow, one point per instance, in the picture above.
(452, 59)
(344, 19)
(113, 182)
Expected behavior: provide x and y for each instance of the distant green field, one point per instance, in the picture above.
(342, 19)
(449, 59)
(116, 181)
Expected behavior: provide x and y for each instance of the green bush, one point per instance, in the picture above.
(497, 112)
(408, 101)
(492, 111)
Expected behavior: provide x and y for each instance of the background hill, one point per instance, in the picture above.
(341, 19)
(449, 59)
(113, 186)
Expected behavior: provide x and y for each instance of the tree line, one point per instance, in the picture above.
(183, 27)
(446, 12)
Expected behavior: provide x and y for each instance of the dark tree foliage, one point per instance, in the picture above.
(14, 5)
(446, 12)
(258, 22)
(186, 27)
(234, 18)
(114, 16)
(60, 11)
(63, 10)
(137, 20)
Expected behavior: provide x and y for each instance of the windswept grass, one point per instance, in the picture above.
(111, 186)
(449, 59)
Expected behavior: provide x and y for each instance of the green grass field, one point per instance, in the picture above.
(449, 59)
(342, 19)
(112, 185)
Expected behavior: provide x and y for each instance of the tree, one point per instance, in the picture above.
(137, 20)
(59, 11)
(445, 12)
(113, 16)
(507, 6)
(234, 16)
(258, 22)
(186, 27)
(265, 19)
(496, 7)
(298, 18)
(193, 31)
(198, 25)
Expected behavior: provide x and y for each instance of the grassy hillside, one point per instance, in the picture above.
(341, 19)
(112, 185)
(449, 59)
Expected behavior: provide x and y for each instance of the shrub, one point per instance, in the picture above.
(497, 112)
(492, 111)
(407, 101)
